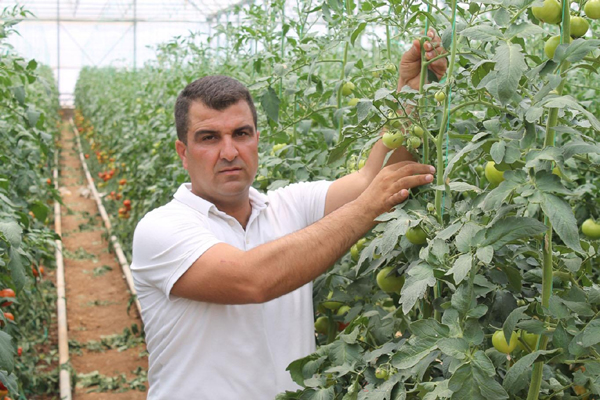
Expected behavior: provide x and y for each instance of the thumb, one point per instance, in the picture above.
(414, 53)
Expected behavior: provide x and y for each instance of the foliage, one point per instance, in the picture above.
(28, 125)
(497, 256)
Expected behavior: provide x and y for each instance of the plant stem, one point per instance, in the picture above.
(422, 82)
(342, 76)
(441, 134)
(547, 269)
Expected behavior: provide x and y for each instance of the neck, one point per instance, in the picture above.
(237, 207)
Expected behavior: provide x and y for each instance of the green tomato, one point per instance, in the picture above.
(441, 96)
(579, 26)
(389, 284)
(393, 122)
(331, 305)
(354, 252)
(492, 174)
(550, 12)
(417, 131)
(381, 373)
(530, 339)
(361, 243)
(416, 235)
(389, 67)
(353, 102)
(347, 88)
(591, 229)
(322, 325)
(552, 44)
(499, 342)
(393, 139)
(592, 9)
(479, 169)
(414, 142)
(361, 163)
(342, 310)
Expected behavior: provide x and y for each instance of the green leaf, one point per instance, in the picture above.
(340, 149)
(511, 322)
(463, 152)
(570, 102)
(475, 381)
(485, 254)
(413, 351)
(463, 298)
(563, 221)
(461, 268)
(484, 33)
(362, 109)
(454, 347)
(40, 210)
(343, 353)
(518, 376)
(497, 151)
(33, 116)
(12, 232)
(305, 368)
(550, 183)
(17, 270)
(523, 30)
(510, 65)
(7, 352)
(429, 328)
(590, 335)
(510, 229)
(456, 186)
(319, 394)
(576, 50)
(361, 27)
(382, 93)
(419, 278)
(270, 103)
(572, 148)
(497, 196)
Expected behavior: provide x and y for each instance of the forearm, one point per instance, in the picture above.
(288, 263)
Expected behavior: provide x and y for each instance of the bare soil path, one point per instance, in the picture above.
(106, 350)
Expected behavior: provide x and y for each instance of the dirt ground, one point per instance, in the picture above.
(96, 292)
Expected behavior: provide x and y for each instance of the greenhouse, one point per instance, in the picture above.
(340, 199)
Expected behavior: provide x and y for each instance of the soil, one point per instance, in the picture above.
(96, 292)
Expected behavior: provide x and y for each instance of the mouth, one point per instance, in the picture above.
(230, 170)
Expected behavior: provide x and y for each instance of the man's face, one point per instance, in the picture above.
(221, 154)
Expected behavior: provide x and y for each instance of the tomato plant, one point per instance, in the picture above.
(29, 123)
(492, 245)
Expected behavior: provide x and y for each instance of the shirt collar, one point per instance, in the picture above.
(258, 201)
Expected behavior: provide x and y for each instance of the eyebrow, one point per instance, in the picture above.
(213, 132)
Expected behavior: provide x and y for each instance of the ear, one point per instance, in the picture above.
(182, 152)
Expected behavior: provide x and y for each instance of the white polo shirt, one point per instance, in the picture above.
(212, 351)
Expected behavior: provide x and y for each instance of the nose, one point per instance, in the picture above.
(228, 152)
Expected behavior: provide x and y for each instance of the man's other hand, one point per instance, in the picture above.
(410, 63)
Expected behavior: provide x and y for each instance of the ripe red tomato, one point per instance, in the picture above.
(7, 293)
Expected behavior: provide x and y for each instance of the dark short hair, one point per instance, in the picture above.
(217, 92)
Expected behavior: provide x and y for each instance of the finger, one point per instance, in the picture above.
(399, 197)
(399, 165)
(415, 169)
(410, 182)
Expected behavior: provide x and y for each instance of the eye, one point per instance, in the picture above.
(207, 137)
(243, 133)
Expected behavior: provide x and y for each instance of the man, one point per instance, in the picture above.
(224, 273)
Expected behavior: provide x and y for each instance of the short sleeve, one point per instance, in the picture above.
(306, 198)
(165, 246)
